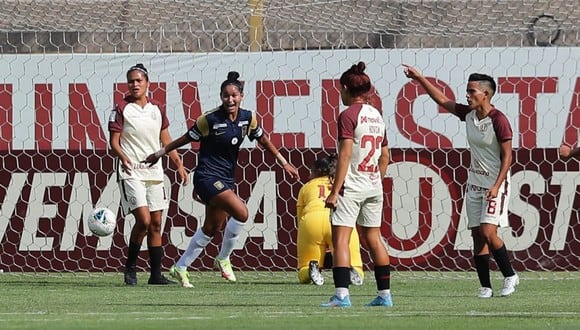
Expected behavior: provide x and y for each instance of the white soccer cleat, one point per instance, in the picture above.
(181, 275)
(355, 277)
(225, 267)
(509, 285)
(485, 293)
(314, 273)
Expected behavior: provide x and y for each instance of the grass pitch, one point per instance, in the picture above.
(276, 301)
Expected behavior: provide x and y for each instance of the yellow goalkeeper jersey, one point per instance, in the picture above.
(312, 196)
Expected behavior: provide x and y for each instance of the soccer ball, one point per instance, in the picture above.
(102, 221)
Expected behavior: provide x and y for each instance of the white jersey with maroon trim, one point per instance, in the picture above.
(140, 129)
(365, 126)
(484, 137)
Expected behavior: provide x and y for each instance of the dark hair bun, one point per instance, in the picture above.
(361, 66)
(140, 66)
(233, 75)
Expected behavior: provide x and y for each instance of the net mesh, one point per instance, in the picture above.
(64, 62)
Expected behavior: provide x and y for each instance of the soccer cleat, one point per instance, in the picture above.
(130, 275)
(509, 285)
(160, 281)
(355, 278)
(381, 301)
(485, 293)
(225, 267)
(314, 273)
(181, 275)
(337, 302)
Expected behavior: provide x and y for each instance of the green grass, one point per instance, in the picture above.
(275, 301)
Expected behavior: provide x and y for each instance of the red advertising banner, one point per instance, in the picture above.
(44, 211)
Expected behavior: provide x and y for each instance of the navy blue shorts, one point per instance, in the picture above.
(207, 187)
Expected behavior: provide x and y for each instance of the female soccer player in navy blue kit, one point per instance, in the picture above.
(220, 132)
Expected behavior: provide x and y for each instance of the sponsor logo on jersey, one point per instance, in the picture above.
(372, 120)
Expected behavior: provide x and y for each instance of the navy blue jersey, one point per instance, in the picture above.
(220, 140)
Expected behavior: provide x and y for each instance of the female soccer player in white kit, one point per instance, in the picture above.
(357, 192)
(137, 127)
(489, 135)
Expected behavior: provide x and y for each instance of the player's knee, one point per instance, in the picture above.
(242, 215)
(154, 228)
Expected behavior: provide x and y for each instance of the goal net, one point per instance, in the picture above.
(64, 64)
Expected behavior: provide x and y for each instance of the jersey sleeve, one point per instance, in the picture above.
(502, 126)
(116, 119)
(164, 119)
(461, 110)
(385, 142)
(200, 128)
(346, 126)
(255, 130)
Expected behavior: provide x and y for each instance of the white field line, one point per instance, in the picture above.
(143, 316)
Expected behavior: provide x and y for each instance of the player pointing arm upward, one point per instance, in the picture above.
(489, 135)
(220, 132)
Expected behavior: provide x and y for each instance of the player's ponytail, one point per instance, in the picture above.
(356, 80)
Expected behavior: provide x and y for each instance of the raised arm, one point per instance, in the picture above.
(435, 94)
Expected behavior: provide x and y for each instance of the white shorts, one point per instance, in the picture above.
(136, 193)
(480, 210)
(367, 211)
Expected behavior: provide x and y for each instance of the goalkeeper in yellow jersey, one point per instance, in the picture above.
(314, 232)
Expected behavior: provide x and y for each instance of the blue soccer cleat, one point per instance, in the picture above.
(337, 302)
(381, 301)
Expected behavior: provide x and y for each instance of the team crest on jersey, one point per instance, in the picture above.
(234, 141)
(218, 185)
(483, 128)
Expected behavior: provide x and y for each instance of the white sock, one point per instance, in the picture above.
(342, 292)
(198, 242)
(384, 293)
(231, 235)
